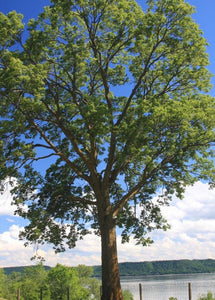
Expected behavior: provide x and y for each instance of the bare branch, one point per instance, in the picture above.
(42, 146)
(31, 159)
(127, 197)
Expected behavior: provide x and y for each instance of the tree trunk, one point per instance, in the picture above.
(111, 288)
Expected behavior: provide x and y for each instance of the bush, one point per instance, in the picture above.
(127, 295)
(208, 297)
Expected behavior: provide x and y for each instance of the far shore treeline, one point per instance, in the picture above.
(183, 266)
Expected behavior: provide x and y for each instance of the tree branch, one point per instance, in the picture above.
(73, 198)
(127, 197)
(55, 149)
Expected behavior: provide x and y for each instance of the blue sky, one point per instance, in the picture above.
(192, 220)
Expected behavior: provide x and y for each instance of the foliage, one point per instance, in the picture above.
(163, 267)
(73, 113)
(20, 269)
(208, 297)
(54, 283)
(33, 280)
(140, 268)
(60, 279)
(92, 284)
(115, 101)
(11, 285)
(127, 295)
(2, 281)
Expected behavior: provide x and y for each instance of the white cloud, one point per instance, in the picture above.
(198, 203)
(6, 199)
(12, 251)
(87, 251)
(192, 235)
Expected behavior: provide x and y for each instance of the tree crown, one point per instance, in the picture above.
(115, 99)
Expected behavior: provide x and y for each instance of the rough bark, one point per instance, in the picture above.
(111, 288)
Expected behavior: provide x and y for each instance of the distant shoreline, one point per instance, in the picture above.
(147, 268)
(166, 267)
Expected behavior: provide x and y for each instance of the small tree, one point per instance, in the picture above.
(12, 283)
(113, 101)
(62, 278)
(85, 279)
(2, 282)
(33, 280)
(127, 295)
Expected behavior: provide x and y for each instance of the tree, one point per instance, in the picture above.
(62, 278)
(92, 284)
(2, 282)
(33, 282)
(11, 285)
(103, 105)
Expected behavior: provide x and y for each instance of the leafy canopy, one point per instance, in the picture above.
(58, 282)
(102, 106)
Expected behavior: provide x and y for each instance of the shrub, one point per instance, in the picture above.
(208, 297)
(127, 295)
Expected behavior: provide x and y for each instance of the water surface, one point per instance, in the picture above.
(162, 287)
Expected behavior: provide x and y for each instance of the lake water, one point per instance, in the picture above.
(165, 286)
